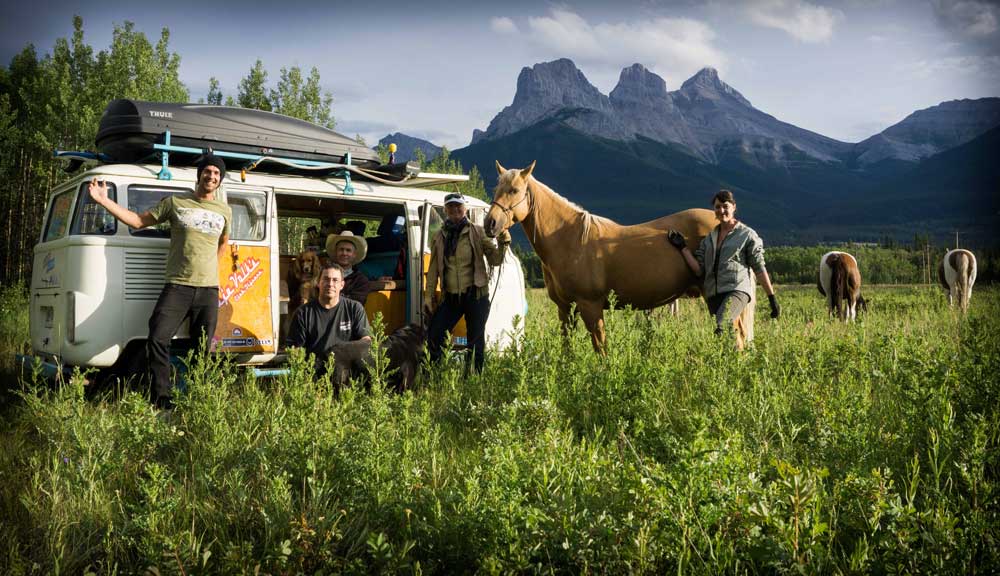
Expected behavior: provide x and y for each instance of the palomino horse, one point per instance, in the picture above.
(840, 282)
(584, 257)
(957, 273)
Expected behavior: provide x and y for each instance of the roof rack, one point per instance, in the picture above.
(407, 174)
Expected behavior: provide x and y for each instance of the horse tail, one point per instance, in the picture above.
(963, 271)
(838, 284)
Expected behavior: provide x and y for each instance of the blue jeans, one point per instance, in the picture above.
(476, 311)
(177, 302)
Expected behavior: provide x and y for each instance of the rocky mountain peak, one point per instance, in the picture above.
(636, 83)
(406, 146)
(930, 131)
(556, 82)
(707, 84)
(543, 90)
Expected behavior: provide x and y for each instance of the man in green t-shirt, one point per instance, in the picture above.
(199, 234)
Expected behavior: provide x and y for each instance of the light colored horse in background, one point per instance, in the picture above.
(840, 282)
(585, 257)
(957, 273)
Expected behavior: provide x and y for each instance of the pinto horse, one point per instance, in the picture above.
(584, 257)
(957, 273)
(840, 282)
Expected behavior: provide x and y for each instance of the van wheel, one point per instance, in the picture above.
(127, 373)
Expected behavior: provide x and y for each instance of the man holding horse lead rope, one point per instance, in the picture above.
(459, 253)
(199, 234)
(723, 261)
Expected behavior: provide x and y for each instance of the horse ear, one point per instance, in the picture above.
(500, 169)
(527, 171)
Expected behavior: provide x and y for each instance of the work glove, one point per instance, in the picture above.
(775, 309)
(504, 237)
(676, 239)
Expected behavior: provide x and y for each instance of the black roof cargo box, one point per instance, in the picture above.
(130, 128)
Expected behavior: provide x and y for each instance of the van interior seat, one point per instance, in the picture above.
(379, 264)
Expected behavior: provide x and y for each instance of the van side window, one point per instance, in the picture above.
(295, 234)
(434, 223)
(142, 198)
(91, 217)
(58, 221)
(249, 215)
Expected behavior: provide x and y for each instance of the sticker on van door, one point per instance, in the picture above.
(50, 275)
(245, 307)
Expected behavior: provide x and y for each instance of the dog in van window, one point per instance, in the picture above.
(303, 279)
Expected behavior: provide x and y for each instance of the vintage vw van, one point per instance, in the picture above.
(95, 281)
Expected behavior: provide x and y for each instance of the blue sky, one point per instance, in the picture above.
(434, 69)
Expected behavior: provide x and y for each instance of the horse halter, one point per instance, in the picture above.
(509, 211)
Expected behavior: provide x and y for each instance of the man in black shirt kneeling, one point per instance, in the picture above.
(332, 325)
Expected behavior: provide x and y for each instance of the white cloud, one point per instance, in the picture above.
(673, 47)
(985, 67)
(969, 17)
(503, 25)
(803, 21)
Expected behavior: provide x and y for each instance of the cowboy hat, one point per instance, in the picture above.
(360, 244)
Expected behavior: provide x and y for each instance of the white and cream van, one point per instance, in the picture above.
(95, 281)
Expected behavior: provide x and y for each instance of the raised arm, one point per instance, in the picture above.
(99, 192)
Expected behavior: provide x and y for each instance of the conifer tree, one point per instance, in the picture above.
(253, 92)
(214, 93)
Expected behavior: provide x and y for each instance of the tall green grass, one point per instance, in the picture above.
(826, 448)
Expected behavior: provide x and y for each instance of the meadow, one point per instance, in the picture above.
(825, 449)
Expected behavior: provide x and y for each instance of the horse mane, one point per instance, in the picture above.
(587, 217)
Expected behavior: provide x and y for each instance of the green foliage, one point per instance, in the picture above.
(214, 93)
(383, 153)
(294, 95)
(531, 264)
(825, 449)
(253, 89)
(55, 102)
(303, 99)
(443, 163)
(878, 265)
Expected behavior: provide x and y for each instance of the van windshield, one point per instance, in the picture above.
(142, 198)
(91, 217)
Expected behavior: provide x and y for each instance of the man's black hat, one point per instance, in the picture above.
(212, 160)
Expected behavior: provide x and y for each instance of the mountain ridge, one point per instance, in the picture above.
(710, 117)
(643, 150)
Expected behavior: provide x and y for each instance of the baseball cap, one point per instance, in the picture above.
(454, 198)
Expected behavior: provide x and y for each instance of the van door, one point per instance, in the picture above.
(247, 314)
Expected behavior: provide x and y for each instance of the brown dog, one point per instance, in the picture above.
(303, 279)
